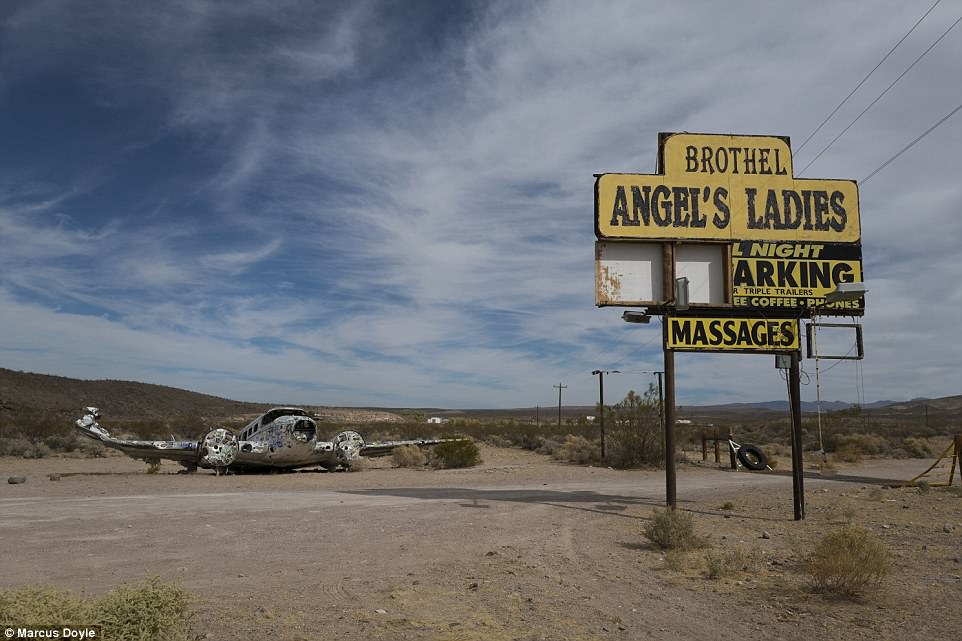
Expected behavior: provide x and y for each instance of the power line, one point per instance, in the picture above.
(872, 104)
(911, 144)
(851, 93)
(560, 387)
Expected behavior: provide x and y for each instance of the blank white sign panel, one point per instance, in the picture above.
(628, 274)
(704, 265)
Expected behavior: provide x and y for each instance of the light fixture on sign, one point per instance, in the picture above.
(681, 293)
(845, 291)
(636, 317)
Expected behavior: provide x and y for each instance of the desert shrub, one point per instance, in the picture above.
(922, 486)
(14, 446)
(848, 453)
(63, 442)
(91, 449)
(847, 561)
(916, 448)
(635, 435)
(677, 560)
(955, 490)
(577, 449)
(409, 456)
(673, 530)
(855, 446)
(454, 454)
(151, 610)
(498, 440)
(547, 445)
(24, 448)
(728, 562)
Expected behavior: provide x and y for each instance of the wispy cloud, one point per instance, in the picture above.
(392, 204)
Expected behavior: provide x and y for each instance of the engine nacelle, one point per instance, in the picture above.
(347, 447)
(217, 449)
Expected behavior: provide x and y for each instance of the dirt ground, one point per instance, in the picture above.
(520, 547)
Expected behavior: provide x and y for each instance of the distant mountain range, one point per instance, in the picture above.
(949, 403)
(27, 392)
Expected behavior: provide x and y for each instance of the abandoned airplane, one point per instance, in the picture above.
(281, 438)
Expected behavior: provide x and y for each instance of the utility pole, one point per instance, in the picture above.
(600, 373)
(560, 387)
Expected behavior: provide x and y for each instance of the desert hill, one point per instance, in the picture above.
(27, 392)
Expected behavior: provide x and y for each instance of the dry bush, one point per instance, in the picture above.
(673, 530)
(455, 454)
(577, 449)
(409, 456)
(851, 447)
(848, 561)
(723, 563)
(24, 448)
(678, 560)
(150, 610)
(916, 448)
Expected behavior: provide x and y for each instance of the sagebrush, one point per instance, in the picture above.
(673, 530)
(409, 456)
(848, 561)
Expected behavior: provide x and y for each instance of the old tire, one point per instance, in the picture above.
(752, 457)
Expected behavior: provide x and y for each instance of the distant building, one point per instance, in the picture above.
(437, 419)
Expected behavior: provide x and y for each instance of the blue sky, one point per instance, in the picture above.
(391, 203)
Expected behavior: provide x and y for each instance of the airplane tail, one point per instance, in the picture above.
(89, 427)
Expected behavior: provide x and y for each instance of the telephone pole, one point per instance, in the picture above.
(560, 387)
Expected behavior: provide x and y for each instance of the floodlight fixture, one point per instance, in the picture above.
(681, 293)
(845, 292)
(636, 317)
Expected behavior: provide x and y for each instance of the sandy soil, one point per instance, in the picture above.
(518, 548)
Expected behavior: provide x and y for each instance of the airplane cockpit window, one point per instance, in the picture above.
(303, 431)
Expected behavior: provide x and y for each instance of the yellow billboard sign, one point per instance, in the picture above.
(732, 334)
(716, 187)
(794, 275)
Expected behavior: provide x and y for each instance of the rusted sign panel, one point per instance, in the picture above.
(628, 273)
(716, 187)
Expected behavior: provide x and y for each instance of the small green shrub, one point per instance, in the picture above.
(409, 456)
(455, 454)
(673, 530)
(922, 486)
(847, 561)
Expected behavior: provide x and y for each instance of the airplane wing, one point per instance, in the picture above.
(386, 447)
(218, 448)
